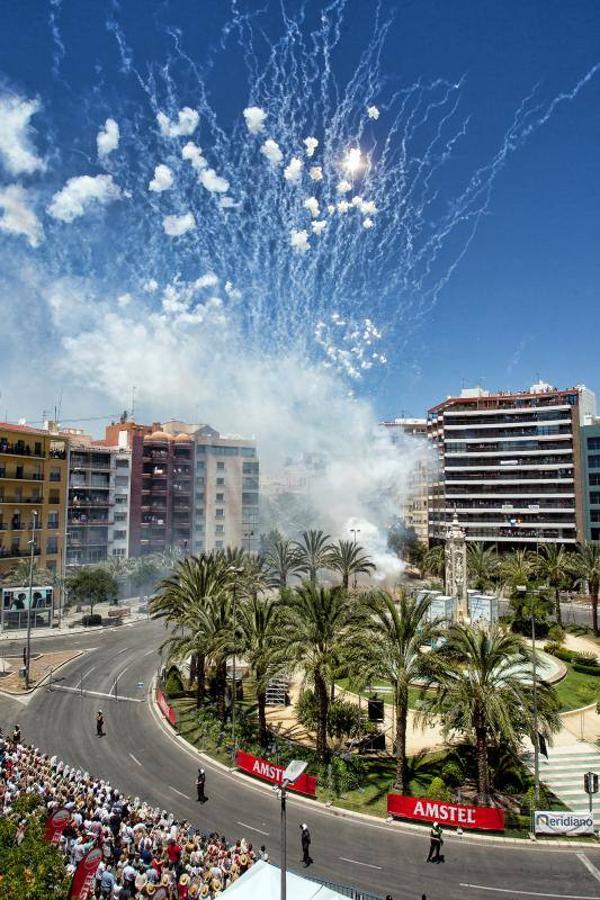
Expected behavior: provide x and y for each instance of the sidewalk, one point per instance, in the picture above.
(70, 617)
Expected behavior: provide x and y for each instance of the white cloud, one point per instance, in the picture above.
(311, 144)
(124, 300)
(107, 138)
(293, 171)
(312, 205)
(316, 173)
(255, 119)
(232, 291)
(193, 153)
(82, 192)
(319, 227)
(368, 223)
(208, 280)
(175, 226)
(343, 187)
(373, 112)
(299, 240)
(270, 149)
(213, 182)
(16, 148)
(343, 206)
(162, 180)
(150, 286)
(186, 124)
(17, 216)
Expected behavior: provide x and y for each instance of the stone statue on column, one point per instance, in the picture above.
(456, 568)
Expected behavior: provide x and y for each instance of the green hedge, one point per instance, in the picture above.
(561, 653)
(586, 670)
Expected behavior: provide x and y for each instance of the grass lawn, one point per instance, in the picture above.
(577, 689)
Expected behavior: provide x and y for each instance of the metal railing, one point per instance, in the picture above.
(343, 889)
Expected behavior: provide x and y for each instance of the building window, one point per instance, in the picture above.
(219, 529)
(220, 467)
(220, 498)
(119, 535)
(52, 546)
(122, 464)
(121, 499)
(121, 480)
(54, 474)
(52, 520)
(120, 517)
(199, 465)
(594, 478)
(593, 443)
(219, 545)
(594, 462)
(118, 551)
(220, 482)
(219, 513)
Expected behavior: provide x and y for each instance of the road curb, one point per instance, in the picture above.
(48, 675)
(339, 812)
(67, 632)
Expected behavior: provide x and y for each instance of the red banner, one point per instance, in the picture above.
(167, 711)
(56, 824)
(487, 818)
(84, 879)
(268, 771)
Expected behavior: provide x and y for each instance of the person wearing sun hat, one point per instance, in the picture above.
(183, 887)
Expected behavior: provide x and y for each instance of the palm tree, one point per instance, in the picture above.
(314, 550)
(348, 558)
(261, 645)
(195, 599)
(587, 568)
(19, 576)
(283, 559)
(318, 630)
(397, 632)
(484, 690)
(434, 561)
(555, 569)
(516, 569)
(482, 566)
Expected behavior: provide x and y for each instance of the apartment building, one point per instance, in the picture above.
(590, 478)
(510, 465)
(413, 508)
(33, 485)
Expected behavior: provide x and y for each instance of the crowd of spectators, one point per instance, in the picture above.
(143, 847)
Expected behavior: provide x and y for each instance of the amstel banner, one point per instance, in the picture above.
(486, 818)
(56, 824)
(84, 879)
(268, 771)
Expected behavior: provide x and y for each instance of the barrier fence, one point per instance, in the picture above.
(343, 889)
(165, 708)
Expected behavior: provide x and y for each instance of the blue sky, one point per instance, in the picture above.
(523, 299)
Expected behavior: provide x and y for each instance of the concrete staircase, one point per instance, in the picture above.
(563, 773)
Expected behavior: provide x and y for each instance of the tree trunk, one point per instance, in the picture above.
(261, 700)
(220, 686)
(595, 610)
(483, 773)
(323, 698)
(346, 580)
(201, 680)
(401, 711)
(557, 607)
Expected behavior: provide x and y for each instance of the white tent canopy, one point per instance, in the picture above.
(263, 880)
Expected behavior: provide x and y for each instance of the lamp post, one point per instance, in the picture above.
(293, 772)
(31, 561)
(536, 739)
(235, 571)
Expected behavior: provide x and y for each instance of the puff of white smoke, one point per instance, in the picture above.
(357, 201)
(330, 209)
(368, 207)
(16, 150)
(311, 144)
(232, 291)
(82, 192)
(175, 226)
(343, 206)
(193, 153)
(343, 187)
(270, 150)
(213, 182)
(17, 216)
(368, 223)
(107, 138)
(373, 112)
(208, 280)
(353, 161)
(228, 203)
(293, 171)
(186, 124)
(319, 227)
(162, 180)
(299, 240)
(150, 286)
(316, 173)
(312, 205)
(124, 300)
(255, 119)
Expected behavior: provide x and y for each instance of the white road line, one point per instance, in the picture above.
(252, 828)
(589, 866)
(135, 759)
(124, 650)
(357, 862)
(68, 689)
(483, 887)
(179, 792)
(155, 650)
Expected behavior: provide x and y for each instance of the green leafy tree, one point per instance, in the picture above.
(314, 550)
(555, 569)
(92, 584)
(31, 869)
(483, 690)
(482, 566)
(434, 561)
(396, 632)
(260, 643)
(587, 569)
(19, 576)
(349, 559)
(284, 560)
(319, 631)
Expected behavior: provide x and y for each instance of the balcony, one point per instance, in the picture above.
(16, 501)
(20, 449)
(17, 553)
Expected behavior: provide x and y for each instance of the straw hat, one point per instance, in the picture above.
(204, 890)
(150, 889)
(243, 860)
(193, 891)
(184, 880)
(216, 884)
(165, 879)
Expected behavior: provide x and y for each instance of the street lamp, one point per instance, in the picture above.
(291, 775)
(34, 516)
(235, 571)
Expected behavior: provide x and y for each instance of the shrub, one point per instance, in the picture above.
(437, 790)
(586, 670)
(307, 709)
(556, 634)
(90, 621)
(453, 774)
(174, 683)
(583, 658)
(565, 655)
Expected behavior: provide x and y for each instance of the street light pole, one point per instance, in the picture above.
(291, 775)
(31, 561)
(536, 739)
(235, 571)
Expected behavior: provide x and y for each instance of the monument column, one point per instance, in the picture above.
(456, 568)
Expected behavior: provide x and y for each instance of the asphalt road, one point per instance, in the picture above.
(141, 759)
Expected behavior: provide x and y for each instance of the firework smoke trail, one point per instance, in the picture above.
(249, 271)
